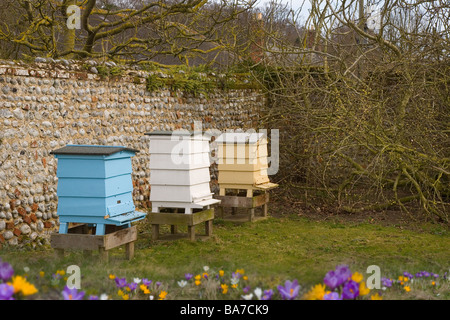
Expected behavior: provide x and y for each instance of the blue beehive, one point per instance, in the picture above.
(95, 186)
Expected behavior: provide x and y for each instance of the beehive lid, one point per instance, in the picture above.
(91, 150)
(196, 135)
(239, 138)
(169, 133)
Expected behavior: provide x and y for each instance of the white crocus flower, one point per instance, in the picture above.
(258, 292)
(137, 280)
(182, 283)
(248, 296)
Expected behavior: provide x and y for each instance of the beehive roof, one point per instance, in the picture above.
(169, 133)
(91, 150)
(240, 137)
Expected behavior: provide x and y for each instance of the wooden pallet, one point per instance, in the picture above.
(175, 219)
(249, 203)
(80, 237)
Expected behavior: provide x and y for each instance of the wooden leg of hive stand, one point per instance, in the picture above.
(188, 210)
(155, 231)
(251, 215)
(129, 250)
(173, 227)
(222, 192)
(208, 228)
(191, 233)
(265, 209)
(220, 209)
(249, 193)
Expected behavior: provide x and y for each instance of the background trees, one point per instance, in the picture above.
(119, 29)
(363, 112)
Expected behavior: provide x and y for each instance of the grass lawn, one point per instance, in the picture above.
(270, 251)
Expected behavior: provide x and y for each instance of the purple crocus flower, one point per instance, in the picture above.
(132, 286)
(419, 275)
(6, 292)
(72, 294)
(331, 280)
(91, 297)
(337, 277)
(407, 274)
(386, 282)
(290, 290)
(246, 289)
(146, 282)
(332, 296)
(343, 273)
(267, 295)
(188, 276)
(350, 290)
(121, 282)
(6, 271)
(158, 283)
(426, 274)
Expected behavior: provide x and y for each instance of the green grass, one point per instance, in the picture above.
(271, 251)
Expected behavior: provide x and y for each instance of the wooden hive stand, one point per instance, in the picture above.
(175, 219)
(83, 237)
(231, 197)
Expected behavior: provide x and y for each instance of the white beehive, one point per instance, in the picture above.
(179, 171)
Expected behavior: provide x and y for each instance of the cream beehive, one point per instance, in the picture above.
(243, 161)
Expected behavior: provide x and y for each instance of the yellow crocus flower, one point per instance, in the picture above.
(224, 288)
(144, 289)
(162, 295)
(21, 284)
(316, 293)
(363, 290)
(376, 296)
(357, 277)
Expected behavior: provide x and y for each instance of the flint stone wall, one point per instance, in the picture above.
(47, 105)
